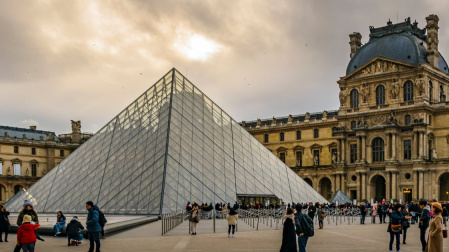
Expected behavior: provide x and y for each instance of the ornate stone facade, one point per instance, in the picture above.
(394, 144)
(26, 155)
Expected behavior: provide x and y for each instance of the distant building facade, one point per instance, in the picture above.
(389, 139)
(26, 155)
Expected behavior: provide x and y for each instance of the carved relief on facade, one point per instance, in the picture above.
(378, 67)
(394, 89)
(420, 84)
(379, 119)
(364, 92)
(343, 97)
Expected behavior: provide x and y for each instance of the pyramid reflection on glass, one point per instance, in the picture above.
(340, 197)
(170, 146)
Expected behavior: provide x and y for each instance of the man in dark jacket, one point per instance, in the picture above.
(423, 222)
(304, 225)
(93, 226)
(362, 214)
(311, 211)
(73, 231)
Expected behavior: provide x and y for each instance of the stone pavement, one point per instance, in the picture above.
(352, 237)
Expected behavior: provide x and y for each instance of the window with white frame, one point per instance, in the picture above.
(17, 169)
(1, 168)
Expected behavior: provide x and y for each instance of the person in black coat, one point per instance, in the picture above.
(289, 234)
(311, 211)
(73, 231)
(424, 220)
(4, 223)
(362, 214)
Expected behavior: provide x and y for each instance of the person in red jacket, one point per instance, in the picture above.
(25, 235)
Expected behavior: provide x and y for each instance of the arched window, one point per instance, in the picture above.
(265, 138)
(354, 98)
(316, 133)
(407, 120)
(353, 125)
(281, 135)
(298, 135)
(380, 95)
(408, 91)
(378, 149)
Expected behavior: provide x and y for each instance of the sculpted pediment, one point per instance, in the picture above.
(378, 65)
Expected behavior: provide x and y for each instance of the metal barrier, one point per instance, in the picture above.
(172, 220)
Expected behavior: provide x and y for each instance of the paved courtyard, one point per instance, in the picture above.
(340, 237)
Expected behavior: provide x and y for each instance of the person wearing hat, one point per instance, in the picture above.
(73, 231)
(435, 240)
(28, 209)
(26, 237)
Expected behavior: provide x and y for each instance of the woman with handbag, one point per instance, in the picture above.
(321, 214)
(435, 240)
(194, 218)
(395, 226)
(405, 223)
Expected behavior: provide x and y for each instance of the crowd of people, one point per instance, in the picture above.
(28, 223)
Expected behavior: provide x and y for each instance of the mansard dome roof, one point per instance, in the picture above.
(403, 42)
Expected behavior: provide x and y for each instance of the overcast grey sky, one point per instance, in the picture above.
(88, 60)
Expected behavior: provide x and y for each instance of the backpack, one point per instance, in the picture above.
(303, 221)
(102, 219)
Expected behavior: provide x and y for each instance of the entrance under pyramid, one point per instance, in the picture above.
(170, 146)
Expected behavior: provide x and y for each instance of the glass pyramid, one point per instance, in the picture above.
(340, 197)
(171, 145)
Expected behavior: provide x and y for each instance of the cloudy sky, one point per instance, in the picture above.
(87, 60)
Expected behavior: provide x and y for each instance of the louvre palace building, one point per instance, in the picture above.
(389, 139)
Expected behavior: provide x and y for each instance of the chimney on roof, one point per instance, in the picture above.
(355, 41)
(432, 40)
(33, 127)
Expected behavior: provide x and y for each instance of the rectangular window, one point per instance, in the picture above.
(407, 149)
(316, 157)
(17, 169)
(299, 159)
(265, 138)
(282, 136)
(33, 151)
(1, 169)
(282, 156)
(16, 149)
(61, 153)
(298, 135)
(33, 170)
(316, 133)
(353, 152)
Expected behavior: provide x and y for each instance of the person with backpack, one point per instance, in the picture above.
(93, 226)
(395, 226)
(304, 228)
(102, 222)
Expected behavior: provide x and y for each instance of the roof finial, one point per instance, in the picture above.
(389, 22)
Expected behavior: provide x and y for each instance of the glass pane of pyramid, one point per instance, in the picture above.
(170, 146)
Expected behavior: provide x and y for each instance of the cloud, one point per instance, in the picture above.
(29, 122)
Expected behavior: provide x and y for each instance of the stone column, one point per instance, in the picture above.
(433, 186)
(425, 145)
(343, 152)
(393, 147)
(338, 182)
(388, 148)
(334, 183)
(343, 183)
(421, 143)
(363, 196)
(363, 148)
(388, 186)
(359, 186)
(421, 185)
(393, 185)
(359, 150)
(339, 150)
(415, 145)
(415, 185)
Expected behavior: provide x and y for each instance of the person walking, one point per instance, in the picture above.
(435, 240)
(26, 237)
(232, 221)
(4, 223)
(194, 218)
(304, 228)
(405, 223)
(423, 222)
(60, 223)
(380, 212)
(93, 226)
(395, 225)
(320, 214)
(362, 214)
(288, 234)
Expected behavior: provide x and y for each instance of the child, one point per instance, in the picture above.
(25, 235)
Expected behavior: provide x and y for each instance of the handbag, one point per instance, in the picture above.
(323, 215)
(445, 233)
(396, 228)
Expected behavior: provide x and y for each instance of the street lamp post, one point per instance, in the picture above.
(447, 195)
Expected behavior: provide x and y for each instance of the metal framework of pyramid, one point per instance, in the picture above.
(340, 197)
(170, 146)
